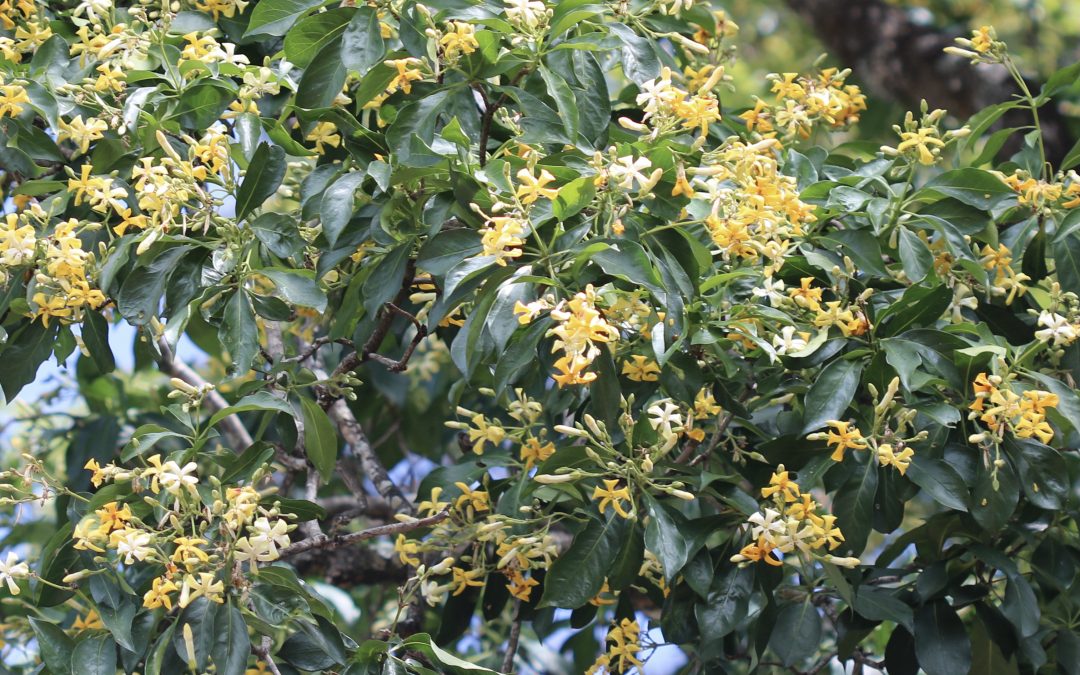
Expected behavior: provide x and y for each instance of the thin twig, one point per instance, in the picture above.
(262, 652)
(327, 542)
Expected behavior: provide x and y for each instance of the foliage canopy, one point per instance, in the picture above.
(504, 326)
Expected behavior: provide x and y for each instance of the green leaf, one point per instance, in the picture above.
(260, 400)
(423, 643)
(417, 119)
(992, 506)
(297, 286)
(140, 295)
(727, 603)
(880, 604)
(974, 187)
(797, 633)
(1066, 252)
(446, 249)
(915, 256)
(313, 33)
(232, 645)
(941, 641)
(95, 656)
(274, 17)
(639, 60)
(577, 575)
(314, 647)
(278, 233)
(320, 438)
(573, 197)
(95, 335)
(323, 78)
(665, 535)
(263, 178)
(362, 44)
(855, 500)
(338, 201)
(385, 281)
(939, 480)
(25, 351)
(54, 646)
(239, 333)
(1044, 475)
(986, 654)
(831, 393)
(559, 90)
(119, 620)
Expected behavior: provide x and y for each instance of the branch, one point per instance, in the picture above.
(233, 429)
(354, 435)
(515, 635)
(326, 542)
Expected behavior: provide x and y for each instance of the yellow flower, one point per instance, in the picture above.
(924, 142)
(188, 552)
(460, 39)
(501, 238)
(533, 187)
(521, 587)
(407, 550)
(81, 133)
(843, 438)
(641, 369)
(159, 594)
(485, 433)
(433, 505)
(324, 133)
(532, 452)
(204, 586)
(610, 495)
(407, 73)
(471, 502)
(90, 622)
(781, 484)
(464, 579)
(887, 456)
(12, 96)
(112, 517)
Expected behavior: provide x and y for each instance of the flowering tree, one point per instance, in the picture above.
(473, 335)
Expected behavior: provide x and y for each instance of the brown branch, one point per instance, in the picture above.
(262, 652)
(515, 635)
(354, 435)
(325, 542)
(231, 426)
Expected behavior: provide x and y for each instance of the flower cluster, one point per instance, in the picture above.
(791, 525)
(922, 140)
(197, 544)
(580, 329)
(1038, 194)
(803, 101)
(1000, 408)
(623, 648)
(669, 108)
(60, 288)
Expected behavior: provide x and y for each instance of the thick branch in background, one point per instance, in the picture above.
(898, 59)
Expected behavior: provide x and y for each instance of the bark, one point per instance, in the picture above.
(896, 58)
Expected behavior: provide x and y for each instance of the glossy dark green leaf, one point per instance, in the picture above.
(263, 178)
(278, 233)
(797, 633)
(362, 44)
(855, 499)
(881, 604)
(25, 351)
(95, 655)
(939, 480)
(727, 603)
(941, 640)
(573, 197)
(385, 281)
(275, 17)
(296, 286)
(974, 187)
(313, 33)
(239, 333)
(320, 438)
(231, 645)
(54, 645)
(139, 299)
(831, 393)
(667, 536)
(577, 575)
(338, 201)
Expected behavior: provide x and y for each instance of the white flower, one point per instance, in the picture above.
(664, 416)
(788, 341)
(527, 13)
(94, 10)
(10, 570)
(1056, 328)
(175, 478)
(257, 549)
(626, 170)
(774, 291)
(131, 544)
(273, 535)
(766, 523)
